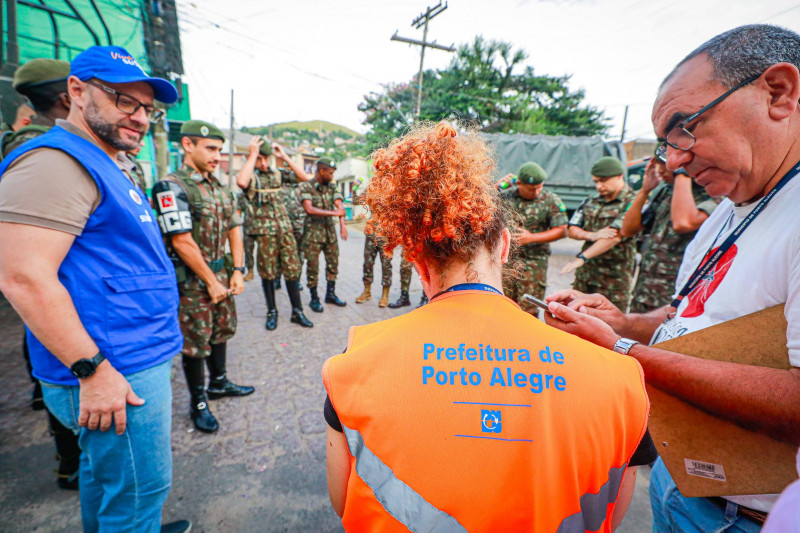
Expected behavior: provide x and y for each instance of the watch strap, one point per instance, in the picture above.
(84, 368)
(624, 345)
(240, 269)
(581, 256)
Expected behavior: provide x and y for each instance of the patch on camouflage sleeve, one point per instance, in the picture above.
(562, 207)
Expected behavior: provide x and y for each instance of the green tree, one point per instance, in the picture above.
(488, 85)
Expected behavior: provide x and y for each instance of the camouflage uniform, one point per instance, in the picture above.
(406, 268)
(543, 213)
(290, 194)
(204, 323)
(371, 249)
(319, 234)
(664, 249)
(11, 140)
(271, 227)
(137, 173)
(248, 240)
(611, 273)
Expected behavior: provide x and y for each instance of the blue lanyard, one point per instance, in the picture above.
(469, 287)
(704, 268)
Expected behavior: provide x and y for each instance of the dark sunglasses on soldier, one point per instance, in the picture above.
(128, 104)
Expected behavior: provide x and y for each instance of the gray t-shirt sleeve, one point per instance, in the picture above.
(48, 188)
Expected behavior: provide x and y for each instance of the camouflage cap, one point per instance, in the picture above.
(326, 162)
(199, 128)
(607, 167)
(40, 71)
(531, 174)
(266, 148)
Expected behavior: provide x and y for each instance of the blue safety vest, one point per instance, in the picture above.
(117, 271)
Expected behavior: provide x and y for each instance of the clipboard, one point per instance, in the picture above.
(708, 456)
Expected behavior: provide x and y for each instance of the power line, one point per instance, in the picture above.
(422, 22)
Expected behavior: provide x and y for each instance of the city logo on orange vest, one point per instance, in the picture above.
(491, 421)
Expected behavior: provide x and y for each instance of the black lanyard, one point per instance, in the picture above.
(468, 287)
(704, 268)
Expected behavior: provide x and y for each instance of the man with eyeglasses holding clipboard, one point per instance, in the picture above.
(728, 114)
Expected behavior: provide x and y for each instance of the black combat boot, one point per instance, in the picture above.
(68, 453)
(298, 317)
(219, 385)
(423, 300)
(198, 404)
(330, 295)
(403, 301)
(314, 303)
(272, 310)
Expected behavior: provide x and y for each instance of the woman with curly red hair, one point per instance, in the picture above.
(468, 414)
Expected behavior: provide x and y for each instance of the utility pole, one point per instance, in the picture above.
(161, 140)
(422, 22)
(231, 149)
(624, 123)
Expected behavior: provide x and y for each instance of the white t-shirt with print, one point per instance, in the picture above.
(761, 270)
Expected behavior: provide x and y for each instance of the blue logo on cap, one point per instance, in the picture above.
(491, 421)
(114, 64)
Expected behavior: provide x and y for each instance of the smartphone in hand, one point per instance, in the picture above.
(527, 298)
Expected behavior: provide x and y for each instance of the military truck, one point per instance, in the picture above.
(567, 160)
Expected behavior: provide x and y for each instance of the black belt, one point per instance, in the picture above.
(755, 516)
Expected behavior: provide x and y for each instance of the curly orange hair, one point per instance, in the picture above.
(432, 193)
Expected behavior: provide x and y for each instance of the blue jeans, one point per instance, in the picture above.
(124, 479)
(672, 512)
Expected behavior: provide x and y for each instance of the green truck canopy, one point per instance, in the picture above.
(567, 160)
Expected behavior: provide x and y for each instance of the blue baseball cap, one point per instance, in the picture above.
(115, 65)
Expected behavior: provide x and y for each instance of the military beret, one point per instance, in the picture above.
(531, 174)
(266, 148)
(40, 71)
(198, 128)
(608, 166)
(326, 162)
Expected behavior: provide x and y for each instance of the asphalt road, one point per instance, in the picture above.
(264, 470)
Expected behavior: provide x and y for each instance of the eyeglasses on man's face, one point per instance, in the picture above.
(128, 104)
(681, 138)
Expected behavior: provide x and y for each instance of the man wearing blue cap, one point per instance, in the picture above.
(82, 261)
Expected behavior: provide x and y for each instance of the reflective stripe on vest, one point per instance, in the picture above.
(399, 500)
(594, 506)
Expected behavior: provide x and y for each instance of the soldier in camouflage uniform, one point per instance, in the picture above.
(606, 262)
(290, 195)
(137, 171)
(197, 216)
(44, 83)
(541, 219)
(322, 202)
(371, 249)
(669, 214)
(248, 240)
(23, 117)
(272, 230)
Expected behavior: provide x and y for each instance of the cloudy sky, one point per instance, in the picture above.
(316, 59)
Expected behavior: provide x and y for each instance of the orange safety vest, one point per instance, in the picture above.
(468, 414)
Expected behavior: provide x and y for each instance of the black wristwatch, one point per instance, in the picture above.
(581, 256)
(240, 269)
(84, 368)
